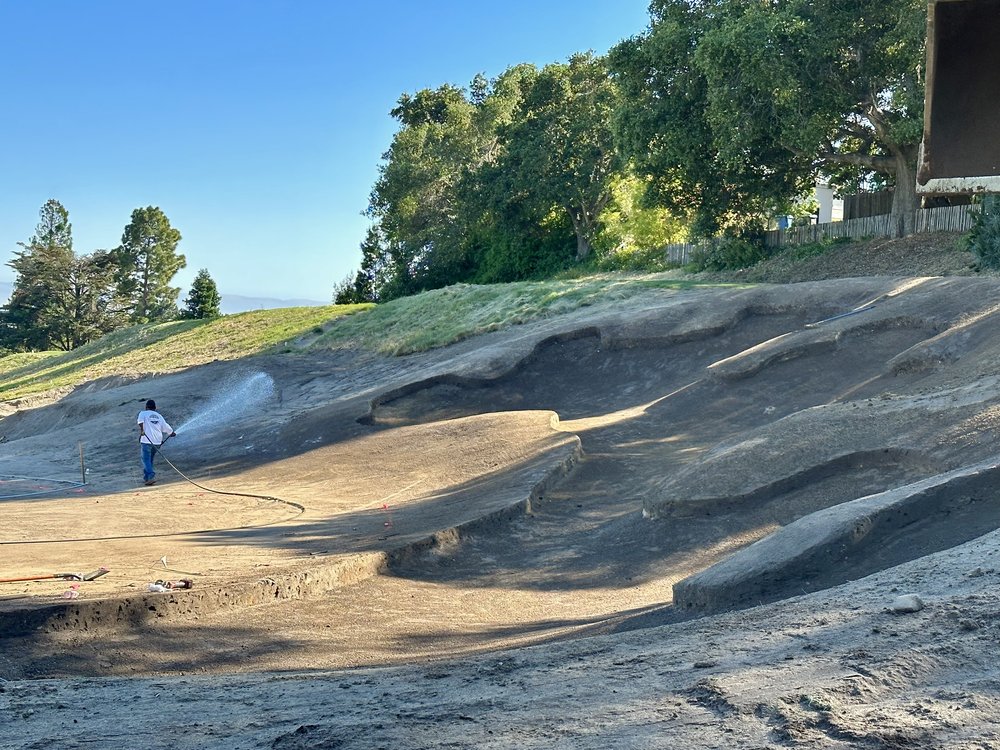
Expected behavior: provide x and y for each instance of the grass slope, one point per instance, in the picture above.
(402, 326)
(163, 347)
(442, 316)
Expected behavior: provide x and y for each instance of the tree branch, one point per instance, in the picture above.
(884, 164)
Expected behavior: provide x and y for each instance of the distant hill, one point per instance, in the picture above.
(234, 303)
(231, 303)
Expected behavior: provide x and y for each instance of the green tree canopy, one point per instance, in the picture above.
(428, 227)
(417, 201)
(379, 273)
(203, 300)
(147, 261)
(96, 309)
(741, 104)
(60, 301)
(559, 152)
(496, 184)
(35, 317)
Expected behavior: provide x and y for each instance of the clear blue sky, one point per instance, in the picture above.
(256, 125)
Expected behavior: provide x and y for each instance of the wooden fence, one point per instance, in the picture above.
(945, 219)
(885, 225)
(678, 254)
(860, 205)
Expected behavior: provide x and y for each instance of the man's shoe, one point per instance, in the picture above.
(150, 482)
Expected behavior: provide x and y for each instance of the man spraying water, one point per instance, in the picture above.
(152, 429)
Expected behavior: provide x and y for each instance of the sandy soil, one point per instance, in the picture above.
(681, 524)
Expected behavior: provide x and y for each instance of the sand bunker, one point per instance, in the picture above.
(559, 479)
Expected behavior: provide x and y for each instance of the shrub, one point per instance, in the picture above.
(648, 260)
(730, 254)
(984, 238)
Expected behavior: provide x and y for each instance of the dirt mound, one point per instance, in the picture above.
(927, 254)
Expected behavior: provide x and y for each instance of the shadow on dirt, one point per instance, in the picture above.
(589, 533)
(144, 649)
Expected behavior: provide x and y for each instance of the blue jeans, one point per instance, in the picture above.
(148, 451)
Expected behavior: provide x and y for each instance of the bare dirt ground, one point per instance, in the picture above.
(680, 522)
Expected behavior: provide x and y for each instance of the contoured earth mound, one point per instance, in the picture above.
(710, 448)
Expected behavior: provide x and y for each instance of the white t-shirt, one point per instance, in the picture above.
(154, 427)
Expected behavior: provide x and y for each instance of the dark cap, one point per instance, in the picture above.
(151, 405)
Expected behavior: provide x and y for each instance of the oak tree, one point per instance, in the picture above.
(742, 104)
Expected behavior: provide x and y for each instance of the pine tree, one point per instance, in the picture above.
(147, 262)
(203, 300)
(36, 317)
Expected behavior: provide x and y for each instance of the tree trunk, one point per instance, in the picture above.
(582, 229)
(904, 197)
(142, 313)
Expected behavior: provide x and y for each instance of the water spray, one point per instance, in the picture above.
(237, 397)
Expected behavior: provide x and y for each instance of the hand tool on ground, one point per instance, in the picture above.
(61, 576)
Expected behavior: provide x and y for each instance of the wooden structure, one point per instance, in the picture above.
(961, 146)
(945, 219)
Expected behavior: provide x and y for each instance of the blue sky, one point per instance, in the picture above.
(257, 126)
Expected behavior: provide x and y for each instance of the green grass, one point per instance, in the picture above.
(166, 346)
(444, 316)
(403, 326)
